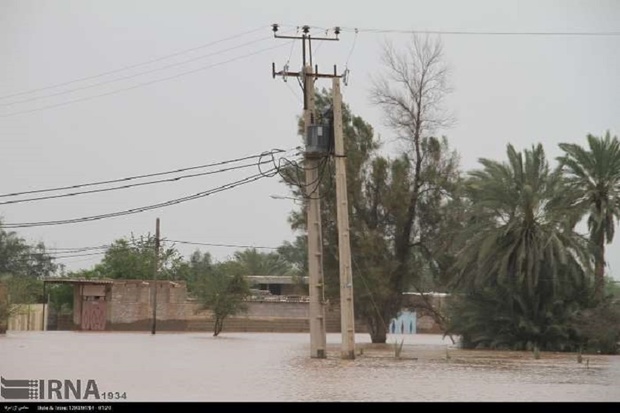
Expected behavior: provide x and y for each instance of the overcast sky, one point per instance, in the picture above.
(201, 106)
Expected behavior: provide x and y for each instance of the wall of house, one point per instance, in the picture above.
(130, 305)
(277, 317)
(294, 289)
(269, 316)
(77, 304)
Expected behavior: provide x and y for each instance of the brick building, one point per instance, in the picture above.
(277, 304)
(104, 304)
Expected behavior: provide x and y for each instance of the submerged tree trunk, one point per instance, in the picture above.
(377, 329)
(599, 269)
(218, 326)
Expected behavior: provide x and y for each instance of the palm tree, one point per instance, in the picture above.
(521, 250)
(253, 262)
(593, 175)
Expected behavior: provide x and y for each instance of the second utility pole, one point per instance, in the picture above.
(347, 325)
(155, 271)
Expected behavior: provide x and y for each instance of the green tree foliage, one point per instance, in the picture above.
(392, 247)
(523, 272)
(296, 254)
(60, 297)
(20, 259)
(253, 262)
(612, 287)
(16, 290)
(134, 258)
(223, 295)
(593, 176)
(22, 265)
(199, 266)
(598, 327)
(246, 262)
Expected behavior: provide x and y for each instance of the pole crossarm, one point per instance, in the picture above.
(300, 74)
(277, 36)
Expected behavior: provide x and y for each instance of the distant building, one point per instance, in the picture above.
(276, 304)
(280, 285)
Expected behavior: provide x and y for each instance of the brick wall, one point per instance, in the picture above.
(278, 309)
(131, 301)
(280, 317)
(294, 289)
(129, 308)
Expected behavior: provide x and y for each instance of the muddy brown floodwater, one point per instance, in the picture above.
(278, 367)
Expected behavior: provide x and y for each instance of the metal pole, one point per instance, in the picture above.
(155, 271)
(344, 242)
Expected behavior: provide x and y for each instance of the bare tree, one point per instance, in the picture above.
(412, 88)
(411, 91)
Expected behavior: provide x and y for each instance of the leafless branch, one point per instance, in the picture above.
(412, 89)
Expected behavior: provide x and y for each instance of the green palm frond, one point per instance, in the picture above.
(521, 256)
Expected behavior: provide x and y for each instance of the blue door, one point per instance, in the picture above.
(405, 323)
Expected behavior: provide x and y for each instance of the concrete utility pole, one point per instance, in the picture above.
(155, 271)
(317, 149)
(318, 338)
(344, 244)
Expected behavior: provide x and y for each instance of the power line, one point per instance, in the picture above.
(79, 250)
(150, 175)
(198, 195)
(50, 250)
(352, 48)
(116, 188)
(474, 32)
(163, 79)
(69, 250)
(485, 33)
(76, 255)
(134, 242)
(73, 261)
(323, 163)
(222, 245)
(131, 76)
(296, 96)
(158, 59)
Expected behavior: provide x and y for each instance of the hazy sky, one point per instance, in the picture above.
(518, 89)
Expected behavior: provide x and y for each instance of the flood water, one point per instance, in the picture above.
(278, 367)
